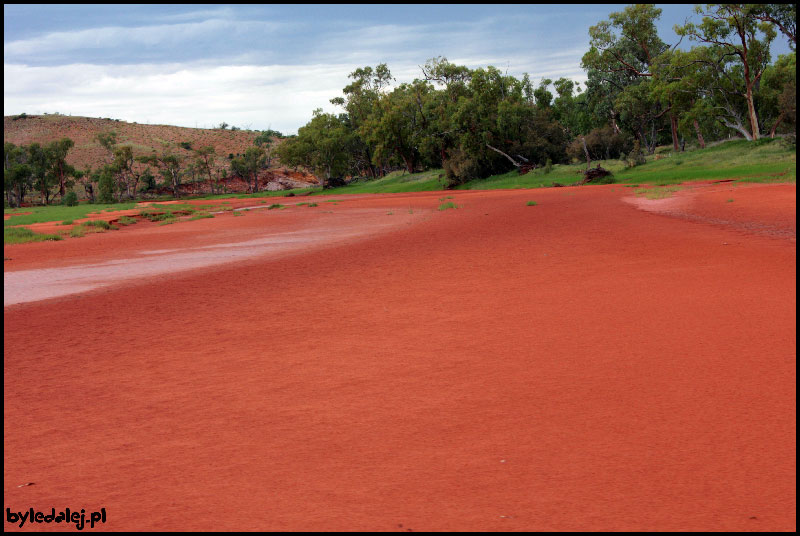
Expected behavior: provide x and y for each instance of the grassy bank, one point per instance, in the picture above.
(761, 161)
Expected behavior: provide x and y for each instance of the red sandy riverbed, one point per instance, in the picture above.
(581, 364)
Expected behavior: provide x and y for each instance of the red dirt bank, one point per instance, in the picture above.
(575, 365)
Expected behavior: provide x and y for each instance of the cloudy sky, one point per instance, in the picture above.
(264, 67)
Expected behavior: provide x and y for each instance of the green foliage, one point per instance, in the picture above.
(635, 157)
(126, 220)
(70, 199)
(448, 205)
(325, 145)
(530, 204)
(248, 165)
(106, 185)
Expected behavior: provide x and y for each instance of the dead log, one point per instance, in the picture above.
(593, 174)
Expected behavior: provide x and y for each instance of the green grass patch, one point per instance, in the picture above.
(448, 205)
(530, 204)
(93, 226)
(201, 216)
(166, 212)
(67, 222)
(126, 220)
(21, 235)
(276, 206)
(60, 213)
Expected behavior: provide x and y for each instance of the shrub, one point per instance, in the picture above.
(460, 168)
(105, 184)
(70, 199)
(635, 157)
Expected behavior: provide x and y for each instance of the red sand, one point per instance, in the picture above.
(575, 365)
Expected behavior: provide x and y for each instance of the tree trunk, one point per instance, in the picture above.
(751, 112)
(674, 126)
(700, 139)
(775, 126)
(409, 164)
(614, 122)
(586, 151)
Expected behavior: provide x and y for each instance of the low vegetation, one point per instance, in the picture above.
(21, 235)
(658, 192)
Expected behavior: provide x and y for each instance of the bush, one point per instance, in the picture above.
(635, 157)
(460, 168)
(105, 184)
(70, 199)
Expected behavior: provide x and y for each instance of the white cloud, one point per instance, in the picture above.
(261, 96)
(127, 38)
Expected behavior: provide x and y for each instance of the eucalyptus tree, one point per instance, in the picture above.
(44, 180)
(170, 166)
(205, 156)
(743, 42)
(783, 16)
(17, 173)
(398, 124)
(326, 144)
(249, 164)
(777, 94)
(621, 58)
(440, 107)
(62, 172)
(359, 102)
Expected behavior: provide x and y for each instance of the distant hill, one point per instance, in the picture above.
(26, 129)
